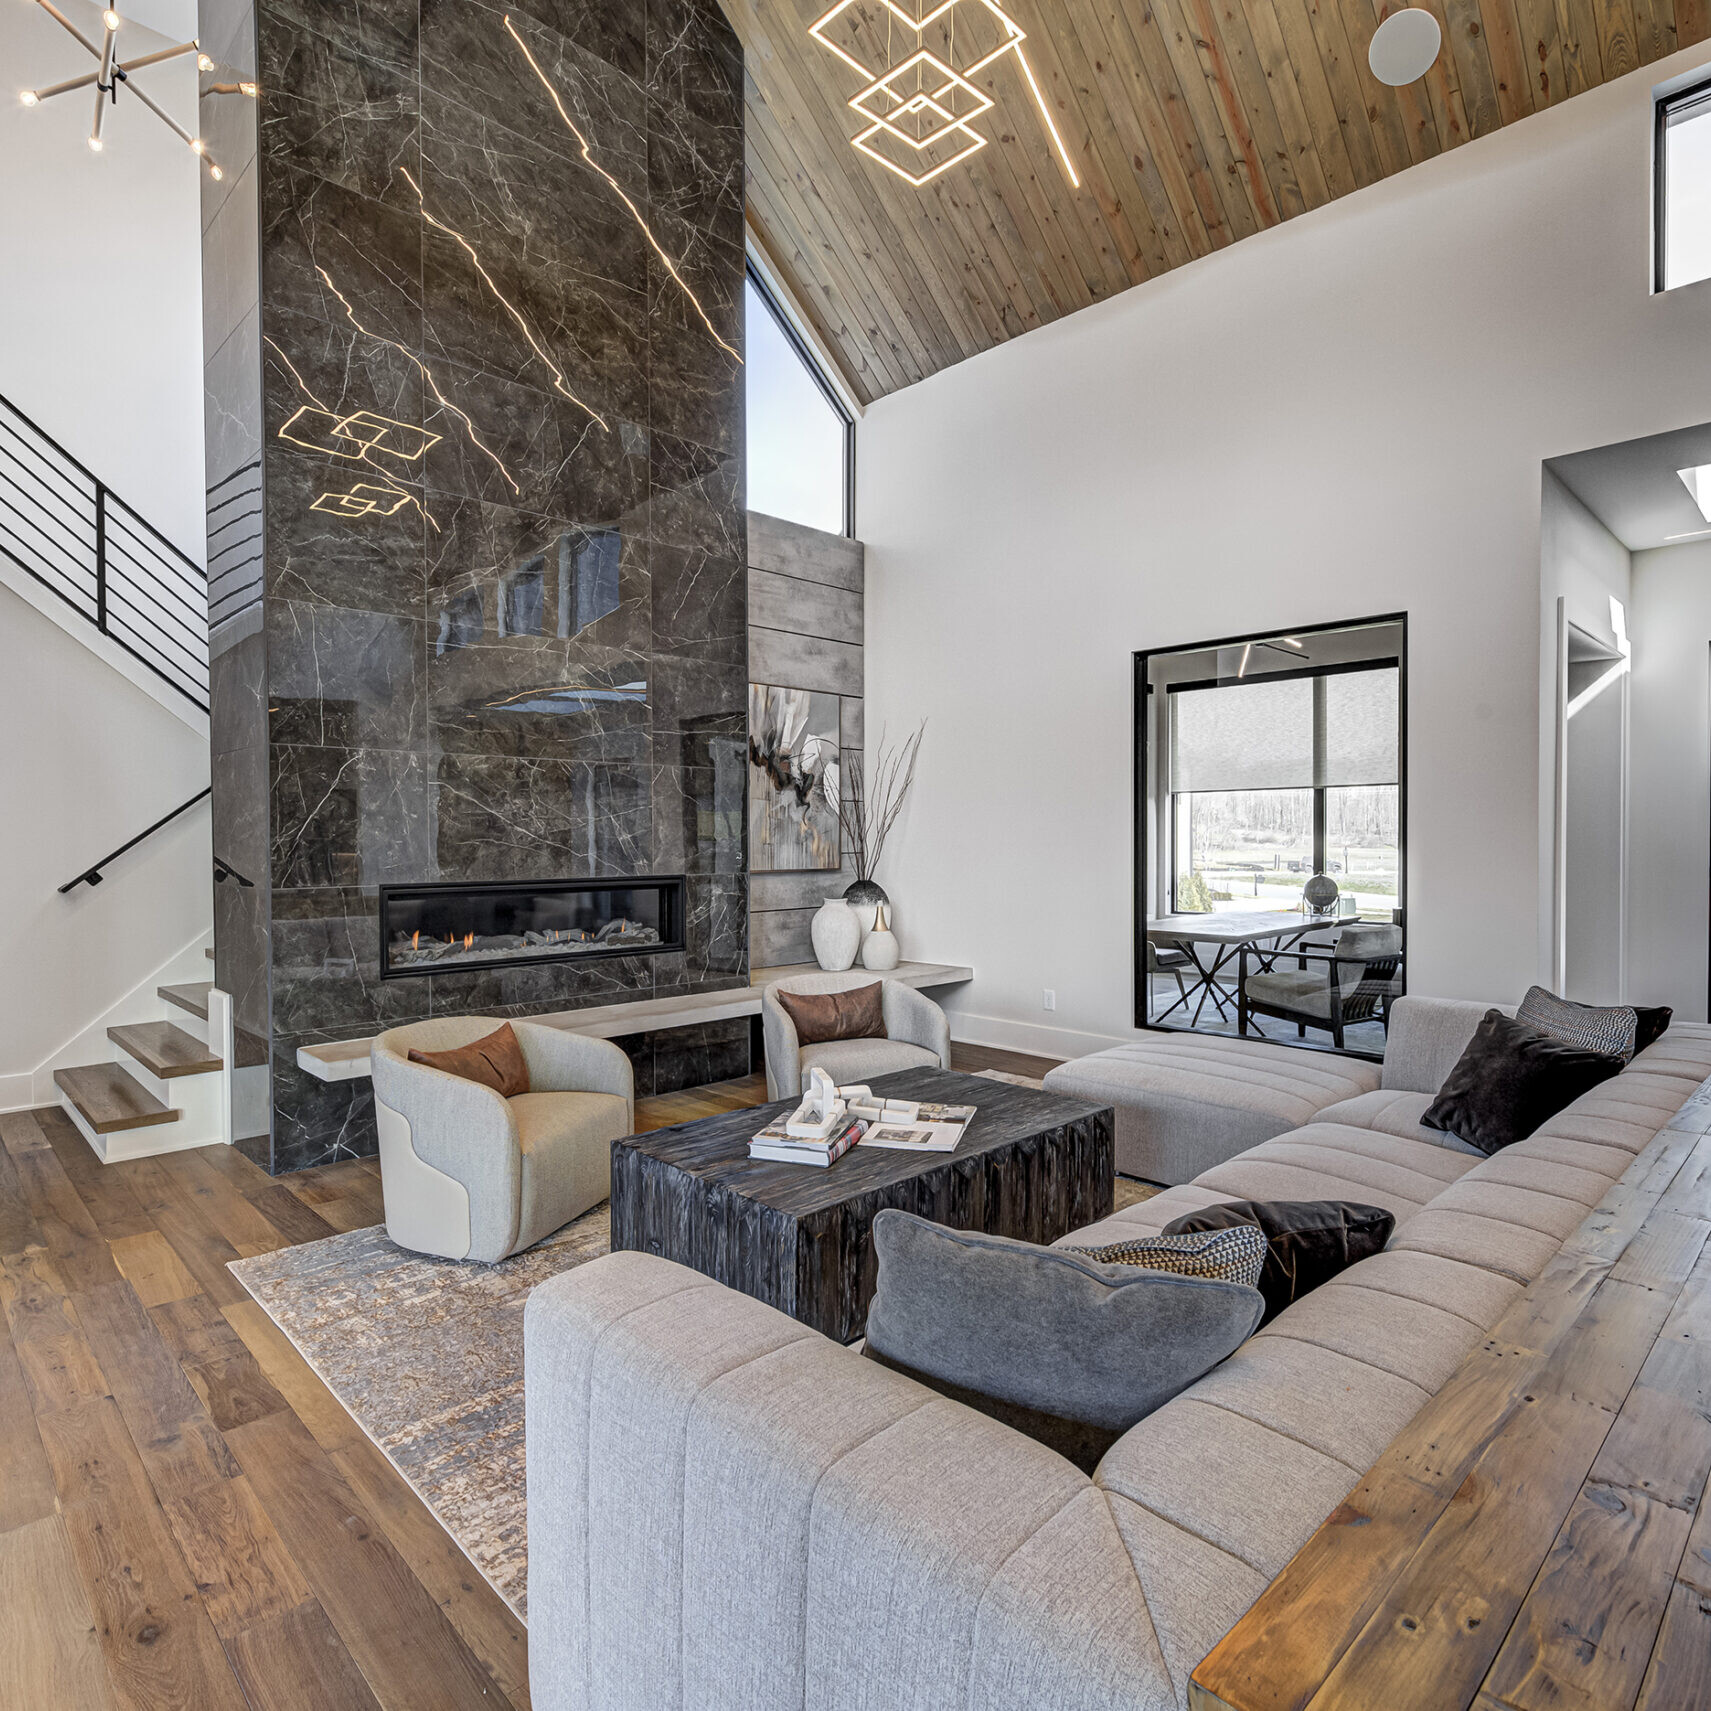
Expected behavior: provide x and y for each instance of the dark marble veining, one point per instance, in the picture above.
(486, 392)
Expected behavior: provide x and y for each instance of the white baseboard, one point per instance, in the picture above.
(19, 1091)
(1001, 1033)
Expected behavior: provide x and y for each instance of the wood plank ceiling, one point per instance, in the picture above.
(1191, 123)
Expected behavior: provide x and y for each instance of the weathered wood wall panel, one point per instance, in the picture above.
(805, 632)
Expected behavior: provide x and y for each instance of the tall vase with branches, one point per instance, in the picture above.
(868, 807)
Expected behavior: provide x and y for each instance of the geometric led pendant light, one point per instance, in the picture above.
(918, 60)
(111, 73)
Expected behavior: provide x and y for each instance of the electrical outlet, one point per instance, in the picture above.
(1048, 999)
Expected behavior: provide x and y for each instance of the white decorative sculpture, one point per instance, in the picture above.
(821, 1110)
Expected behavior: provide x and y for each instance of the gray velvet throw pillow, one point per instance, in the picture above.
(1061, 1346)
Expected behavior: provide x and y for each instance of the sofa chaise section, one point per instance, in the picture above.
(1185, 1102)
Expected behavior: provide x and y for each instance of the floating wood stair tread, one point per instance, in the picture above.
(163, 1049)
(192, 997)
(107, 1098)
(208, 952)
(252, 1049)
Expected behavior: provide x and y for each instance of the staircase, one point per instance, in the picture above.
(77, 541)
(161, 1078)
(169, 1076)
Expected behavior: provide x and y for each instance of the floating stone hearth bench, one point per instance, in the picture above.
(347, 1060)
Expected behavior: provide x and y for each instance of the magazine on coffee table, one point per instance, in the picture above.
(936, 1129)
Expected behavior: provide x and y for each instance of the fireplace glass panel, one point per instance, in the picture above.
(429, 929)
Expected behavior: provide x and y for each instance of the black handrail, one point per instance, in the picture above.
(118, 570)
(92, 876)
(223, 870)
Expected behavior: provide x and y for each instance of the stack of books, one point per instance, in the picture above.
(777, 1143)
(832, 1120)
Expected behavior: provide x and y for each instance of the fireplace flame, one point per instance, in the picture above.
(416, 939)
(468, 940)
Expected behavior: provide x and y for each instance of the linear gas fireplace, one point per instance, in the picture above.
(429, 929)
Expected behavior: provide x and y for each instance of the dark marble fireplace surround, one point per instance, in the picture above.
(497, 622)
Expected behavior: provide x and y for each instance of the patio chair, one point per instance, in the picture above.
(1354, 983)
(1167, 960)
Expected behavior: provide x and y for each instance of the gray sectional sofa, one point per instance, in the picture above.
(1185, 1102)
(731, 1513)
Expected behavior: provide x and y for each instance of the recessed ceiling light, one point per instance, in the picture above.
(1698, 482)
(1404, 47)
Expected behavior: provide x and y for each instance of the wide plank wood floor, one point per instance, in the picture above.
(189, 1520)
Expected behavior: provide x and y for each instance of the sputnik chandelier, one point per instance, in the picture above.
(111, 72)
(920, 97)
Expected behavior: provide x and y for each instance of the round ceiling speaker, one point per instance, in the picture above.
(1404, 46)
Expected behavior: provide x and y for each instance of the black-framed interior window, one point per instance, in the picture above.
(1681, 168)
(801, 438)
(1264, 763)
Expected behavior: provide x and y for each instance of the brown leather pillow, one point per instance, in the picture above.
(858, 1014)
(495, 1060)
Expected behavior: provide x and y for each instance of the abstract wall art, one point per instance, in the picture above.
(793, 780)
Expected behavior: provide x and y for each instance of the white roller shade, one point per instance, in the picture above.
(1286, 734)
(1360, 745)
(1243, 736)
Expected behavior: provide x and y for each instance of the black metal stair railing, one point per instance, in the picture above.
(92, 876)
(63, 526)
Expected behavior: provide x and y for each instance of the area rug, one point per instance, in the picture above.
(1014, 1080)
(427, 1357)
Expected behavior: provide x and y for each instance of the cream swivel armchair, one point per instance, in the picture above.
(469, 1174)
(918, 1035)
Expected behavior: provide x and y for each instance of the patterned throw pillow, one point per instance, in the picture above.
(1609, 1028)
(1235, 1255)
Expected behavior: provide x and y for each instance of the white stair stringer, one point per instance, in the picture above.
(91, 1045)
(198, 1099)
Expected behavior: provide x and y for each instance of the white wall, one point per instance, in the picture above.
(1340, 417)
(88, 761)
(100, 265)
(1669, 918)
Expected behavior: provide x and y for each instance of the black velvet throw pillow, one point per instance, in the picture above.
(1307, 1241)
(1654, 1020)
(1511, 1079)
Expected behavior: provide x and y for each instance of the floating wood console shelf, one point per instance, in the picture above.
(347, 1060)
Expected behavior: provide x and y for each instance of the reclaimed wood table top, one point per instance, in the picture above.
(1031, 1165)
(1539, 1535)
(716, 1149)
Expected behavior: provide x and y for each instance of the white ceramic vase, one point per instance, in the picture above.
(836, 932)
(879, 948)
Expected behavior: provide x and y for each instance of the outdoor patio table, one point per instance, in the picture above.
(1226, 934)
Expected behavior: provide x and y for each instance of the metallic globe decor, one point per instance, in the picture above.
(1320, 894)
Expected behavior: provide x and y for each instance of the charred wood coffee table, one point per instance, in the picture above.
(1031, 1165)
